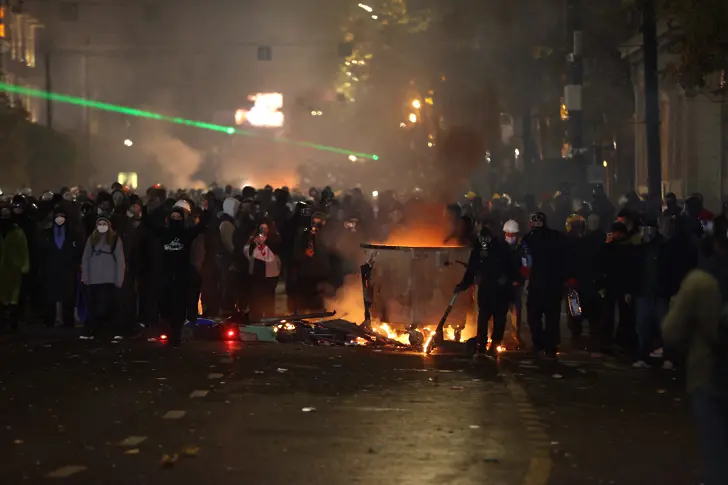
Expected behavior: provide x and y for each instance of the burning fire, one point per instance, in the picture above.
(425, 225)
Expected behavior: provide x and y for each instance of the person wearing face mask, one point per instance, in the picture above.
(59, 257)
(127, 226)
(310, 268)
(14, 263)
(102, 272)
(511, 232)
(264, 268)
(25, 220)
(176, 239)
(650, 293)
(491, 263)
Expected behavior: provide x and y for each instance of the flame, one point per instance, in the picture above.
(386, 331)
(426, 225)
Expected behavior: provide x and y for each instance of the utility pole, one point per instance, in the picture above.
(49, 89)
(573, 89)
(652, 102)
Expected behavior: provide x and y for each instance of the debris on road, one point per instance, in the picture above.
(132, 441)
(282, 370)
(189, 451)
(168, 461)
(308, 410)
(133, 451)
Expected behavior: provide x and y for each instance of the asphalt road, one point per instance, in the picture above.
(228, 413)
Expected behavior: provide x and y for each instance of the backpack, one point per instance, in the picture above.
(112, 252)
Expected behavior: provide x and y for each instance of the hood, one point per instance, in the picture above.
(231, 206)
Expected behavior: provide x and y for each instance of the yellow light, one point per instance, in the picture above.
(429, 144)
(413, 118)
(429, 100)
(352, 158)
(375, 17)
(604, 163)
(416, 104)
(366, 7)
(402, 125)
(267, 110)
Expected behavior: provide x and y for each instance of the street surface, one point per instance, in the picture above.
(137, 412)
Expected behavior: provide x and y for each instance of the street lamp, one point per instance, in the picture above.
(128, 142)
(366, 7)
(412, 118)
(352, 158)
(416, 104)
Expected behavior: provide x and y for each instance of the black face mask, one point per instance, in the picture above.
(175, 224)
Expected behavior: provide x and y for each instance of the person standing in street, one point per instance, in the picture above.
(102, 273)
(697, 322)
(59, 259)
(14, 264)
(546, 272)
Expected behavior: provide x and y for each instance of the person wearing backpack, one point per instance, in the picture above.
(102, 272)
(698, 322)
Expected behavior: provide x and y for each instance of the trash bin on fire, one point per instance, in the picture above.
(407, 289)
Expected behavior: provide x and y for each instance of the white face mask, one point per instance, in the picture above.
(102, 228)
(60, 220)
(511, 240)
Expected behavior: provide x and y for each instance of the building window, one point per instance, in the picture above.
(68, 11)
(151, 12)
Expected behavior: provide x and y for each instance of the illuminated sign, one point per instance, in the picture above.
(266, 111)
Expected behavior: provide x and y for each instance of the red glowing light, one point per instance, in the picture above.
(231, 333)
(163, 337)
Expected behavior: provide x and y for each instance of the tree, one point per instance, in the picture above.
(699, 29)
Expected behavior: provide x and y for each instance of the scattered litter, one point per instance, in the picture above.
(258, 372)
(85, 337)
(118, 337)
(557, 376)
(189, 451)
(168, 461)
(214, 375)
(527, 366)
(66, 471)
(199, 393)
(661, 391)
(282, 370)
(474, 426)
(132, 441)
(308, 410)
(18, 442)
(133, 451)
(176, 414)
(457, 388)
(554, 443)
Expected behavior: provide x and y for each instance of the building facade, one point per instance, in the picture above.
(693, 127)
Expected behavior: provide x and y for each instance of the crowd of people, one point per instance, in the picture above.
(648, 279)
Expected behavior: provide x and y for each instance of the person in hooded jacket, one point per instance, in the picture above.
(546, 274)
(102, 272)
(14, 263)
(211, 274)
(59, 261)
(225, 255)
(23, 217)
(511, 231)
(491, 262)
(128, 228)
(176, 239)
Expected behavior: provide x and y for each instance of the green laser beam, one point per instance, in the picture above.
(230, 130)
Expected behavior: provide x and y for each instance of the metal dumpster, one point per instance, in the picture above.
(413, 285)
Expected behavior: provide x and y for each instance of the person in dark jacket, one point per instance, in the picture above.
(672, 208)
(176, 240)
(24, 219)
(491, 262)
(59, 261)
(546, 272)
(128, 227)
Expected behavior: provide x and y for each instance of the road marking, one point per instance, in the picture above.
(66, 471)
(381, 410)
(132, 440)
(214, 375)
(176, 414)
(199, 393)
(539, 468)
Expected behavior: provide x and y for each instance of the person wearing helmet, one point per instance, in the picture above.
(545, 250)
(511, 232)
(490, 262)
